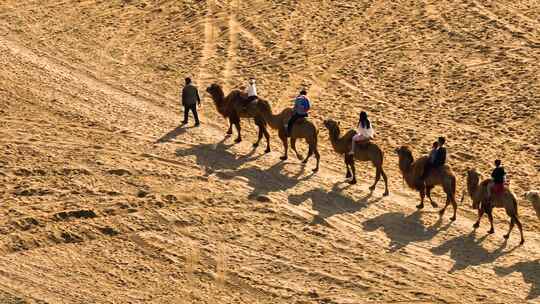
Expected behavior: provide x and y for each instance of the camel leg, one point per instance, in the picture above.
(236, 121)
(480, 214)
(518, 223)
(353, 169)
(443, 210)
(385, 179)
(348, 174)
(229, 131)
(422, 195)
(454, 206)
(512, 223)
(317, 157)
(428, 194)
(489, 211)
(267, 136)
(285, 145)
(310, 152)
(514, 220)
(293, 147)
(259, 137)
(377, 178)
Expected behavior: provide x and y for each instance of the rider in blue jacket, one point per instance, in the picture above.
(301, 108)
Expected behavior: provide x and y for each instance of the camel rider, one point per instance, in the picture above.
(251, 92)
(301, 108)
(496, 185)
(433, 152)
(437, 157)
(364, 133)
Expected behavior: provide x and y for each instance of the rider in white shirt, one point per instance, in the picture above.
(364, 133)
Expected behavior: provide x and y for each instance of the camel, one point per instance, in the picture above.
(303, 128)
(231, 107)
(367, 152)
(534, 197)
(507, 200)
(412, 171)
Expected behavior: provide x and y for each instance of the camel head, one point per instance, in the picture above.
(532, 196)
(404, 153)
(473, 178)
(405, 158)
(216, 92)
(332, 126)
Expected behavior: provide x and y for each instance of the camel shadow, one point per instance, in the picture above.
(530, 272)
(267, 181)
(216, 159)
(403, 230)
(174, 133)
(330, 203)
(467, 251)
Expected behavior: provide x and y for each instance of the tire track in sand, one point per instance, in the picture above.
(209, 46)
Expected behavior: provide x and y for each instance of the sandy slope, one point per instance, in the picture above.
(106, 200)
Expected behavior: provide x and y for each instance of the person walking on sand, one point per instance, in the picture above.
(190, 100)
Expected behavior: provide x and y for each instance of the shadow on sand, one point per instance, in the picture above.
(330, 203)
(467, 250)
(403, 230)
(173, 134)
(216, 159)
(530, 272)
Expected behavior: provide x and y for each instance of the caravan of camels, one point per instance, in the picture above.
(419, 174)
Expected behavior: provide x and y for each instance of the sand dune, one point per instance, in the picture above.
(107, 200)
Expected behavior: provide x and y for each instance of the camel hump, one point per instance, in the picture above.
(419, 166)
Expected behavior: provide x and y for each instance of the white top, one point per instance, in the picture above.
(366, 133)
(252, 89)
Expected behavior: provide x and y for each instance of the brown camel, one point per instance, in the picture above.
(366, 152)
(507, 200)
(303, 128)
(412, 171)
(231, 107)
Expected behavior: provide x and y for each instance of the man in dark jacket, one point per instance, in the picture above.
(190, 100)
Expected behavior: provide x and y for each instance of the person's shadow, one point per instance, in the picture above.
(530, 272)
(330, 203)
(467, 251)
(173, 134)
(403, 230)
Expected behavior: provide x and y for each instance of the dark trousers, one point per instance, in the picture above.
(293, 119)
(193, 109)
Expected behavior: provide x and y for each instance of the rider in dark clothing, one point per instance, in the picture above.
(437, 158)
(497, 179)
(498, 173)
(440, 155)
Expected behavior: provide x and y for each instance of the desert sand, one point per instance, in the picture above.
(105, 199)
